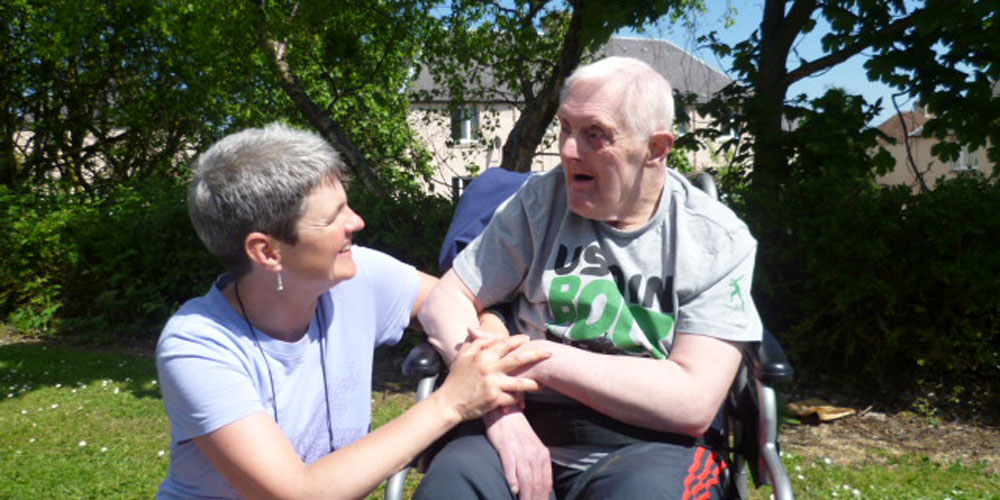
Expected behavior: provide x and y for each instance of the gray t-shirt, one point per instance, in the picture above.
(689, 269)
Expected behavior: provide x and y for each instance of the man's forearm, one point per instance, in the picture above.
(680, 394)
(447, 314)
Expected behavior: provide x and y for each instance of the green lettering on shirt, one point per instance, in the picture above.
(599, 309)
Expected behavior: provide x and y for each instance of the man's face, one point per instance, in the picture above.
(602, 159)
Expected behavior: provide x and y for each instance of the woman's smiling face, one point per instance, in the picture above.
(325, 232)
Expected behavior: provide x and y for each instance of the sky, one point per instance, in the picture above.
(849, 75)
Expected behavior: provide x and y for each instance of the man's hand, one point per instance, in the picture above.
(526, 461)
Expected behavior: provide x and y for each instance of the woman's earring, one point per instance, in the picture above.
(281, 286)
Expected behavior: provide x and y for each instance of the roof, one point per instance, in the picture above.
(914, 121)
(685, 72)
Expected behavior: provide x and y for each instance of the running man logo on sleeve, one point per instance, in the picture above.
(590, 300)
(736, 301)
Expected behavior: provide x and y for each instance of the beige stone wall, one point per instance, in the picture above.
(433, 124)
(931, 167)
(432, 121)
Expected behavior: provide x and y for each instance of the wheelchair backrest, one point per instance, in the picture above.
(475, 209)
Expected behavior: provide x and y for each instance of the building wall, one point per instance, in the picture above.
(432, 121)
(931, 167)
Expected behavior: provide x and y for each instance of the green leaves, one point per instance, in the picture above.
(106, 92)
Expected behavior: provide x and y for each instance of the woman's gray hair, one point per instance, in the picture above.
(256, 180)
(647, 100)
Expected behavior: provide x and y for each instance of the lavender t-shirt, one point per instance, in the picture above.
(212, 374)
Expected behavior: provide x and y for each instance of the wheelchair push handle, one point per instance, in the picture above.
(768, 360)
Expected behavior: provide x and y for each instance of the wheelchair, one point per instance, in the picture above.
(750, 427)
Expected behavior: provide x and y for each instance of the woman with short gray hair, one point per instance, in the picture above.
(267, 377)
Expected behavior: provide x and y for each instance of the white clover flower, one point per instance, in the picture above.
(82, 443)
(104, 449)
(54, 406)
(116, 390)
(58, 386)
(160, 453)
(32, 440)
(856, 492)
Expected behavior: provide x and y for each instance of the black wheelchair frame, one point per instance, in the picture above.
(753, 448)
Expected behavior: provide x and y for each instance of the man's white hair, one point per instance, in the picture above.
(647, 100)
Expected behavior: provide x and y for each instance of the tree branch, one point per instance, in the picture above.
(791, 26)
(909, 152)
(893, 30)
(315, 114)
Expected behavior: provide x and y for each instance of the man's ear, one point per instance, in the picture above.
(660, 144)
(264, 251)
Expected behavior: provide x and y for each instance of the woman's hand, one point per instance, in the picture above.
(479, 379)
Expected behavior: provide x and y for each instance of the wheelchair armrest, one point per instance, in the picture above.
(769, 362)
(423, 361)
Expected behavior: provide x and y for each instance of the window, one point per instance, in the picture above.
(730, 129)
(465, 125)
(682, 121)
(967, 160)
(458, 185)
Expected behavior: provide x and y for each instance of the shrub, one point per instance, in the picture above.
(875, 288)
(118, 268)
(409, 225)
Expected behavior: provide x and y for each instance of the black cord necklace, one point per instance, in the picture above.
(320, 324)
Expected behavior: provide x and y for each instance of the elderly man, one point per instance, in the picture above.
(636, 281)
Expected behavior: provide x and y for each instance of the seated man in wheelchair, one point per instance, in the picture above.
(636, 281)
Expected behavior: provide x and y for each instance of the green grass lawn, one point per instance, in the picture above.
(81, 424)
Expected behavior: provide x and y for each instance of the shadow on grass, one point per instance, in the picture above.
(27, 365)
(387, 370)
(36, 363)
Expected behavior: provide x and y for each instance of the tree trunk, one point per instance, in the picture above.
(765, 108)
(8, 159)
(530, 127)
(320, 119)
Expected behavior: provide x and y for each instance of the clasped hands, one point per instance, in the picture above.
(480, 378)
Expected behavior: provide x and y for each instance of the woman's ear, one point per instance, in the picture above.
(264, 251)
(660, 144)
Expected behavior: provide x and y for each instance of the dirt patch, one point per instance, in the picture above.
(875, 438)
